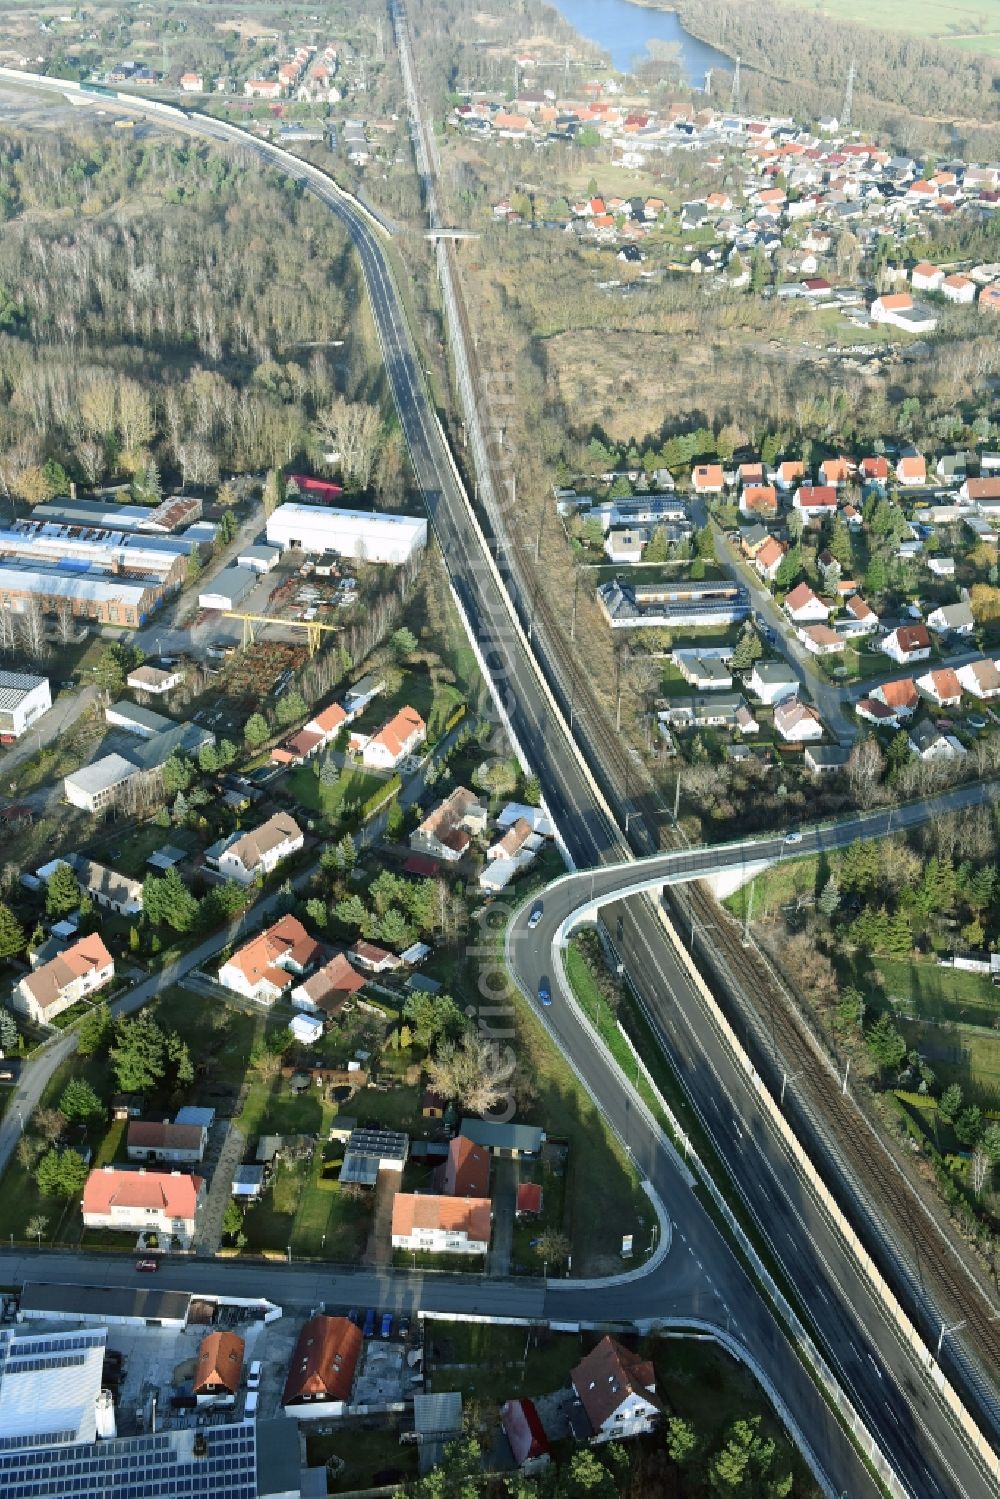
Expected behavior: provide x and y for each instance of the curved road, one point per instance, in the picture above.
(883, 1380)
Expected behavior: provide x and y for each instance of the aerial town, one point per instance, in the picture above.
(499, 750)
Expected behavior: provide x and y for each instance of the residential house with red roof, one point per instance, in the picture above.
(161, 1202)
(322, 1369)
(769, 558)
(466, 1171)
(446, 833)
(874, 470)
(790, 471)
(708, 478)
(437, 1224)
(401, 736)
(814, 501)
(759, 502)
(219, 1366)
(942, 687)
(617, 1389)
(907, 643)
(926, 277)
(803, 607)
(328, 989)
(797, 722)
(270, 962)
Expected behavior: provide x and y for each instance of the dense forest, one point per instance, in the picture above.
(797, 61)
(165, 297)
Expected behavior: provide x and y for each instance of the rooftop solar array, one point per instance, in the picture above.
(160, 1466)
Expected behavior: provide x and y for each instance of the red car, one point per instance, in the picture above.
(147, 1265)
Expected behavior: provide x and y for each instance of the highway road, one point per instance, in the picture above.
(882, 1379)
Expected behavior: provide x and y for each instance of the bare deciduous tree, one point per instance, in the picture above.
(352, 429)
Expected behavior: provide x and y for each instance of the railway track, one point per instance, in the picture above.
(907, 1237)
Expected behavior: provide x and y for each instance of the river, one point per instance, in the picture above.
(625, 30)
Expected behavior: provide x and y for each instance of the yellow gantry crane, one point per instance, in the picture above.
(313, 628)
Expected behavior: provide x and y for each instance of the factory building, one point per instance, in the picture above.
(179, 510)
(107, 551)
(102, 598)
(360, 534)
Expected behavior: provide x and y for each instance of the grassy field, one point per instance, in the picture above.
(369, 1457)
(974, 26)
(775, 887)
(931, 992)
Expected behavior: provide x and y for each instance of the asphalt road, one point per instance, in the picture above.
(886, 1383)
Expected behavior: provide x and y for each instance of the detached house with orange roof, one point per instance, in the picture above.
(790, 471)
(911, 470)
(617, 1390)
(835, 471)
(898, 310)
(759, 502)
(70, 976)
(322, 1369)
(270, 962)
(959, 289)
(329, 988)
(770, 558)
(401, 736)
(814, 501)
(907, 643)
(803, 607)
(708, 478)
(926, 277)
(441, 1225)
(942, 688)
(161, 1202)
(219, 1366)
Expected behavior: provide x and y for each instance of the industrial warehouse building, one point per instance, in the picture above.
(360, 534)
(227, 589)
(104, 551)
(178, 510)
(23, 698)
(103, 598)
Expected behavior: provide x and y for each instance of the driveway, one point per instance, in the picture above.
(505, 1174)
(67, 708)
(208, 1234)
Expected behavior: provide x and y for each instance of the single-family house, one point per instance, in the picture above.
(930, 743)
(446, 833)
(821, 640)
(466, 1171)
(911, 470)
(874, 711)
(154, 680)
(328, 723)
(436, 1224)
(759, 502)
(163, 1202)
(835, 471)
(322, 1368)
(80, 970)
(814, 501)
(796, 721)
(617, 1390)
(173, 1144)
(220, 1364)
(901, 696)
(982, 491)
(789, 473)
(261, 850)
(958, 288)
(720, 710)
(859, 617)
(372, 958)
(268, 964)
(773, 681)
(926, 277)
(980, 678)
(803, 607)
(907, 643)
(106, 887)
(708, 478)
(709, 673)
(329, 988)
(898, 310)
(951, 619)
(941, 687)
(401, 736)
(874, 470)
(518, 839)
(825, 759)
(769, 558)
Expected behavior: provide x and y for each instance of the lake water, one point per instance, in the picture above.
(624, 30)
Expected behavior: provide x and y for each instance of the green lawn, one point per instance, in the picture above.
(434, 701)
(506, 1361)
(931, 992)
(775, 887)
(128, 850)
(960, 1054)
(343, 798)
(977, 25)
(369, 1457)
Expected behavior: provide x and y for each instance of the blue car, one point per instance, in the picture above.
(387, 1325)
(544, 992)
(369, 1327)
